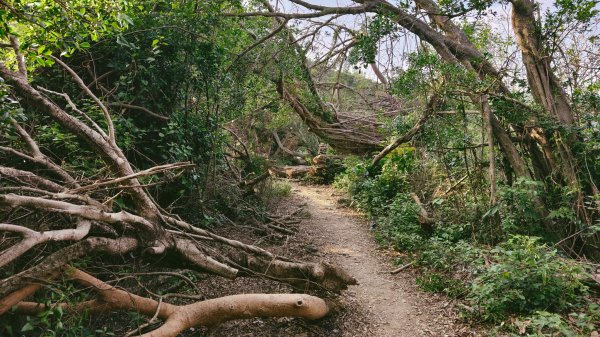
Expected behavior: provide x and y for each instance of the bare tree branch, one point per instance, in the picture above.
(81, 84)
(20, 57)
(141, 108)
(32, 238)
(433, 102)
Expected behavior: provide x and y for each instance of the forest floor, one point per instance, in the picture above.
(381, 305)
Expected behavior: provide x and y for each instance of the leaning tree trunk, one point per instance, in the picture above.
(356, 138)
(455, 48)
(545, 86)
(548, 92)
(344, 137)
(462, 51)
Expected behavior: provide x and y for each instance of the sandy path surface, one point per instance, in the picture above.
(393, 303)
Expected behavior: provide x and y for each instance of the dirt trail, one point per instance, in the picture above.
(393, 304)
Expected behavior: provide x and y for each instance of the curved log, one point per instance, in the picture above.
(178, 319)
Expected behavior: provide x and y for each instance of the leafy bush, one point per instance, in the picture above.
(520, 277)
(448, 256)
(437, 283)
(520, 216)
(374, 189)
(400, 225)
(546, 324)
(526, 277)
(543, 323)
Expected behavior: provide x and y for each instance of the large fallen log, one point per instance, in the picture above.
(324, 168)
(290, 172)
(179, 318)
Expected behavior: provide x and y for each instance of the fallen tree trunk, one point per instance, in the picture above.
(356, 139)
(285, 149)
(179, 318)
(324, 167)
(300, 275)
(290, 171)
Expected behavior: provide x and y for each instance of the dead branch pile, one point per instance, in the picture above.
(85, 222)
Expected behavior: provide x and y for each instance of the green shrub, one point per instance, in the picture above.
(374, 189)
(526, 277)
(522, 276)
(400, 225)
(448, 256)
(519, 215)
(547, 324)
(438, 283)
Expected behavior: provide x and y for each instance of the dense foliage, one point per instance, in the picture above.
(491, 187)
(520, 276)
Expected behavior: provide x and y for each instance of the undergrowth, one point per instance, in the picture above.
(508, 277)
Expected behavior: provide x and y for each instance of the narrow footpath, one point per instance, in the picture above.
(393, 304)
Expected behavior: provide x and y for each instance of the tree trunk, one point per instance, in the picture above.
(342, 137)
(346, 139)
(544, 84)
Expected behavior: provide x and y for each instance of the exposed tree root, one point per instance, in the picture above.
(32, 238)
(12, 299)
(62, 257)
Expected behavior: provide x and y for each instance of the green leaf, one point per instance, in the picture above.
(491, 211)
(27, 327)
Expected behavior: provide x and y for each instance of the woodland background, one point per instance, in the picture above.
(146, 131)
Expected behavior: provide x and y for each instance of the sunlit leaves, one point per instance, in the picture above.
(459, 7)
(365, 51)
(55, 27)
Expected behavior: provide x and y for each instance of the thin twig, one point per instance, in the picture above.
(79, 81)
(396, 271)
